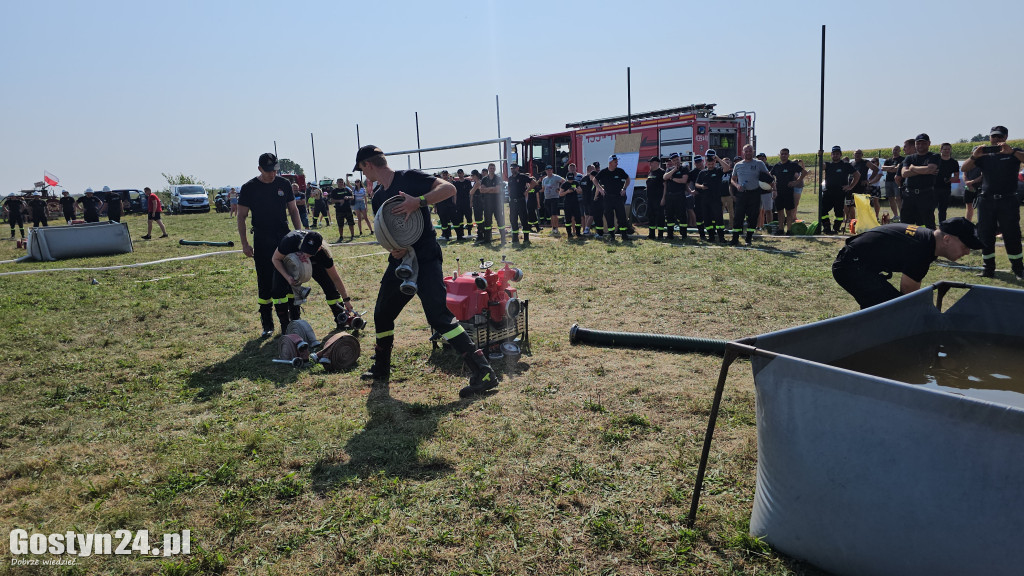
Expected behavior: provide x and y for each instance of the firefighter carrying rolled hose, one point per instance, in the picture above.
(416, 191)
(307, 246)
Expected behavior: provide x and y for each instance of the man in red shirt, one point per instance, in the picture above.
(153, 202)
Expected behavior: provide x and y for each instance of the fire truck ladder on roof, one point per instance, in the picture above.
(702, 110)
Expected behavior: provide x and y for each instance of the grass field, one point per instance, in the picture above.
(144, 401)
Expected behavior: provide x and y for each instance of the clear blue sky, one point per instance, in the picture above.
(115, 93)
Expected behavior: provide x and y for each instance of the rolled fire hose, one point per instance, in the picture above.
(184, 242)
(396, 232)
(579, 335)
(293, 347)
(301, 270)
(341, 351)
(303, 330)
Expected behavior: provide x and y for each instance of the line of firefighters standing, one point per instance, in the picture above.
(678, 197)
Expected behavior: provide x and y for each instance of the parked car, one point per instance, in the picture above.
(189, 198)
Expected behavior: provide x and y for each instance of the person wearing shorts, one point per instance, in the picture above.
(788, 175)
(233, 202)
(359, 207)
(551, 184)
(341, 197)
(153, 211)
(892, 188)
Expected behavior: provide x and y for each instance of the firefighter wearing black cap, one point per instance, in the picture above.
(613, 182)
(518, 184)
(269, 198)
(569, 191)
(694, 209)
(711, 187)
(463, 204)
(15, 213)
(837, 183)
(310, 247)
(998, 205)
(655, 199)
(864, 266)
(919, 172)
(676, 179)
(418, 191)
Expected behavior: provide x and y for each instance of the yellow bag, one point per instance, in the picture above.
(866, 219)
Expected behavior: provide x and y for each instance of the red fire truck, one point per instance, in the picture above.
(687, 131)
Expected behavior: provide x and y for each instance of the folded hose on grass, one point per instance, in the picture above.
(579, 335)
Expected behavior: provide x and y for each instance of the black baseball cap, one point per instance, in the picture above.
(711, 153)
(999, 131)
(761, 155)
(963, 229)
(365, 153)
(549, 167)
(311, 243)
(673, 155)
(613, 158)
(922, 136)
(698, 158)
(268, 162)
(654, 159)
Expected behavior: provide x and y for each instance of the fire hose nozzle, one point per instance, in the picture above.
(295, 362)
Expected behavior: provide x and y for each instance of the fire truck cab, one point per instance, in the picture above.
(688, 131)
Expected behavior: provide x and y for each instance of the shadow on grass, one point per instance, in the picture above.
(390, 442)
(252, 362)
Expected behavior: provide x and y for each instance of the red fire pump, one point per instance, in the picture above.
(489, 308)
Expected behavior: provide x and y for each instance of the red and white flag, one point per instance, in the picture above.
(50, 179)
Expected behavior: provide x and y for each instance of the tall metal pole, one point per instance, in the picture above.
(419, 157)
(629, 104)
(819, 162)
(359, 145)
(313, 145)
(503, 163)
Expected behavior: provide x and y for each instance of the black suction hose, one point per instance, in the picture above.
(579, 335)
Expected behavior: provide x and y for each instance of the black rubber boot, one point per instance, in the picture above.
(267, 319)
(294, 312)
(283, 315)
(380, 371)
(1018, 269)
(735, 240)
(750, 238)
(989, 270)
(483, 377)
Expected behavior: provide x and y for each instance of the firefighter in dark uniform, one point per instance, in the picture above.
(447, 213)
(343, 198)
(15, 213)
(597, 206)
(613, 182)
(418, 191)
(710, 189)
(997, 202)
(837, 184)
(269, 198)
(569, 190)
(655, 199)
(311, 246)
(463, 204)
(694, 211)
(38, 208)
(676, 180)
(533, 205)
(864, 266)
(91, 206)
(518, 184)
(67, 206)
(919, 172)
(114, 208)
